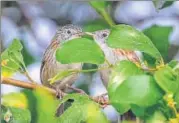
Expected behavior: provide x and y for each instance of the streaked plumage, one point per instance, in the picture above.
(50, 66)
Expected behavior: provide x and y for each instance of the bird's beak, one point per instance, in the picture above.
(80, 34)
(89, 33)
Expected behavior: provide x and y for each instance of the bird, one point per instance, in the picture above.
(50, 66)
(112, 55)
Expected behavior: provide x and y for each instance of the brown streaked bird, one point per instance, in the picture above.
(50, 66)
(112, 55)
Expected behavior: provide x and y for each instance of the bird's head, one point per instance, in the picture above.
(100, 36)
(68, 32)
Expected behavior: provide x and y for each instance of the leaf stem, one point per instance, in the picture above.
(91, 70)
(107, 17)
(108, 62)
(28, 76)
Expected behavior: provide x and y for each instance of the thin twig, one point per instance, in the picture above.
(28, 85)
(28, 76)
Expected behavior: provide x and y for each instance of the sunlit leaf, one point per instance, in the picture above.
(120, 72)
(94, 114)
(167, 79)
(140, 90)
(82, 110)
(126, 37)
(80, 50)
(46, 106)
(18, 100)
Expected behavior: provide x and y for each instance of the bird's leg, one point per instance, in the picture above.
(101, 98)
(59, 94)
(76, 89)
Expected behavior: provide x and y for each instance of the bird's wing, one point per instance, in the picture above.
(130, 55)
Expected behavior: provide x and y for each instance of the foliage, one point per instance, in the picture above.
(82, 109)
(15, 115)
(12, 59)
(160, 4)
(80, 50)
(151, 94)
(128, 38)
(158, 34)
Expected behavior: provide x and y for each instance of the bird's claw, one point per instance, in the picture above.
(102, 100)
(59, 94)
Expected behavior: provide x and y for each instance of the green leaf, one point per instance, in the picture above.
(101, 8)
(61, 75)
(94, 114)
(167, 4)
(160, 4)
(15, 115)
(82, 109)
(98, 5)
(128, 38)
(95, 25)
(12, 59)
(80, 50)
(138, 111)
(17, 100)
(173, 63)
(167, 79)
(140, 90)
(176, 98)
(120, 72)
(46, 106)
(157, 117)
(28, 58)
(159, 35)
(144, 112)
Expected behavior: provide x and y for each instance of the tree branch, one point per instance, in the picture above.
(28, 85)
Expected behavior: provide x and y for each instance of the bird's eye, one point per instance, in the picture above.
(104, 35)
(68, 31)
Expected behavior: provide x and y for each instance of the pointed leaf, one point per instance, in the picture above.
(12, 59)
(126, 37)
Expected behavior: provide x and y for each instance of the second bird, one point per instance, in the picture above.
(112, 55)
